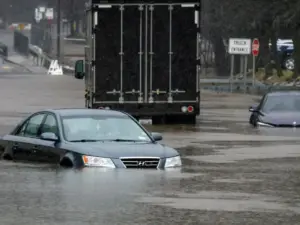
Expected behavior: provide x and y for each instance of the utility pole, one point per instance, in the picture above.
(58, 24)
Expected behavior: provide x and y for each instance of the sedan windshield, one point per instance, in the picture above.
(281, 103)
(102, 128)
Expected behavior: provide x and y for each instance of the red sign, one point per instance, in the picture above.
(255, 47)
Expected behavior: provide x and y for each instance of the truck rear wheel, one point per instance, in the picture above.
(174, 119)
(181, 119)
(156, 120)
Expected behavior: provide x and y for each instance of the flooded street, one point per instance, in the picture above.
(232, 173)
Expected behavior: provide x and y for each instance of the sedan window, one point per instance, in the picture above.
(32, 128)
(50, 125)
(103, 128)
(280, 103)
(21, 130)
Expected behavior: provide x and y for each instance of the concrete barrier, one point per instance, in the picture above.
(44, 60)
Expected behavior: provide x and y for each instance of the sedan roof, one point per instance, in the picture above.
(87, 112)
(284, 92)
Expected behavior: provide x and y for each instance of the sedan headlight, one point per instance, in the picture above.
(261, 124)
(98, 162)
(173, 162)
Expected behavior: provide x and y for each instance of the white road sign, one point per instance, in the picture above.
(239, 46)
(38, 15)
(49, 13)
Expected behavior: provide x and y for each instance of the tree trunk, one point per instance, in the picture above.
(265, 55)
(221, 61)
(72, 17)
(73, 30)
(275, 54)
(296, 53)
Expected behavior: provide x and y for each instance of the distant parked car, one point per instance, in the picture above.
(285, 49)
(278, 108)
(286, 57)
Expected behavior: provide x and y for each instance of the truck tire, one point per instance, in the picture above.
(189, 119)
(157, 120)
(289, 63)
(174, 119)
(71, 160)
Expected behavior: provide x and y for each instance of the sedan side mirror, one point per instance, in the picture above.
(156, 136)
(252, 108)
(79, 69)
(49, 136)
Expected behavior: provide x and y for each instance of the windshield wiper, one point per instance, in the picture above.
(125, 140)
(85, 140)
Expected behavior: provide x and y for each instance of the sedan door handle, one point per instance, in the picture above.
(15, 146)
(35, 148)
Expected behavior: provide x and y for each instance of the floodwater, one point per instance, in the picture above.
(232, 173)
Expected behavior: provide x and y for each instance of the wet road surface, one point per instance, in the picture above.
(232, 174)
(7, 68)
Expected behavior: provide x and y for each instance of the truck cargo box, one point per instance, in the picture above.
(142, 57)
(145, 53)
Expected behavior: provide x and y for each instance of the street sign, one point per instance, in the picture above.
(49, 13)
(255, 47)
(38, 16)
(42, 13)
(239, 46)
(42, 9)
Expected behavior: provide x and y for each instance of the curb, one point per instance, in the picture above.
(78, 41)
(18, 64)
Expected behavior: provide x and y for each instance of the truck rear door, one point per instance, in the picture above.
(145, 53)
(172, 60)
(119, 55)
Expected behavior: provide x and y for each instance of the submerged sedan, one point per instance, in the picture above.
(87, 137)
(277, 109)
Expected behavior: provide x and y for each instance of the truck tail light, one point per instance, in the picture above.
(184, 109)
(187, 109)
(190, 109)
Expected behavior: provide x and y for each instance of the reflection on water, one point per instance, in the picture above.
(287, 132)
(41, 195)
(221, 201)
(220, 126)
(172, 128)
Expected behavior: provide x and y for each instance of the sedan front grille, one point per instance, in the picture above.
(143, 162)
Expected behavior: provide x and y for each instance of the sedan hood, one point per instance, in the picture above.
(123, 149)
(281, 118)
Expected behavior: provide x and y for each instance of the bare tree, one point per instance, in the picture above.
(74, 13)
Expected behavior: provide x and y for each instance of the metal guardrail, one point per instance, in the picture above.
(42, 59)
(238, 87)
